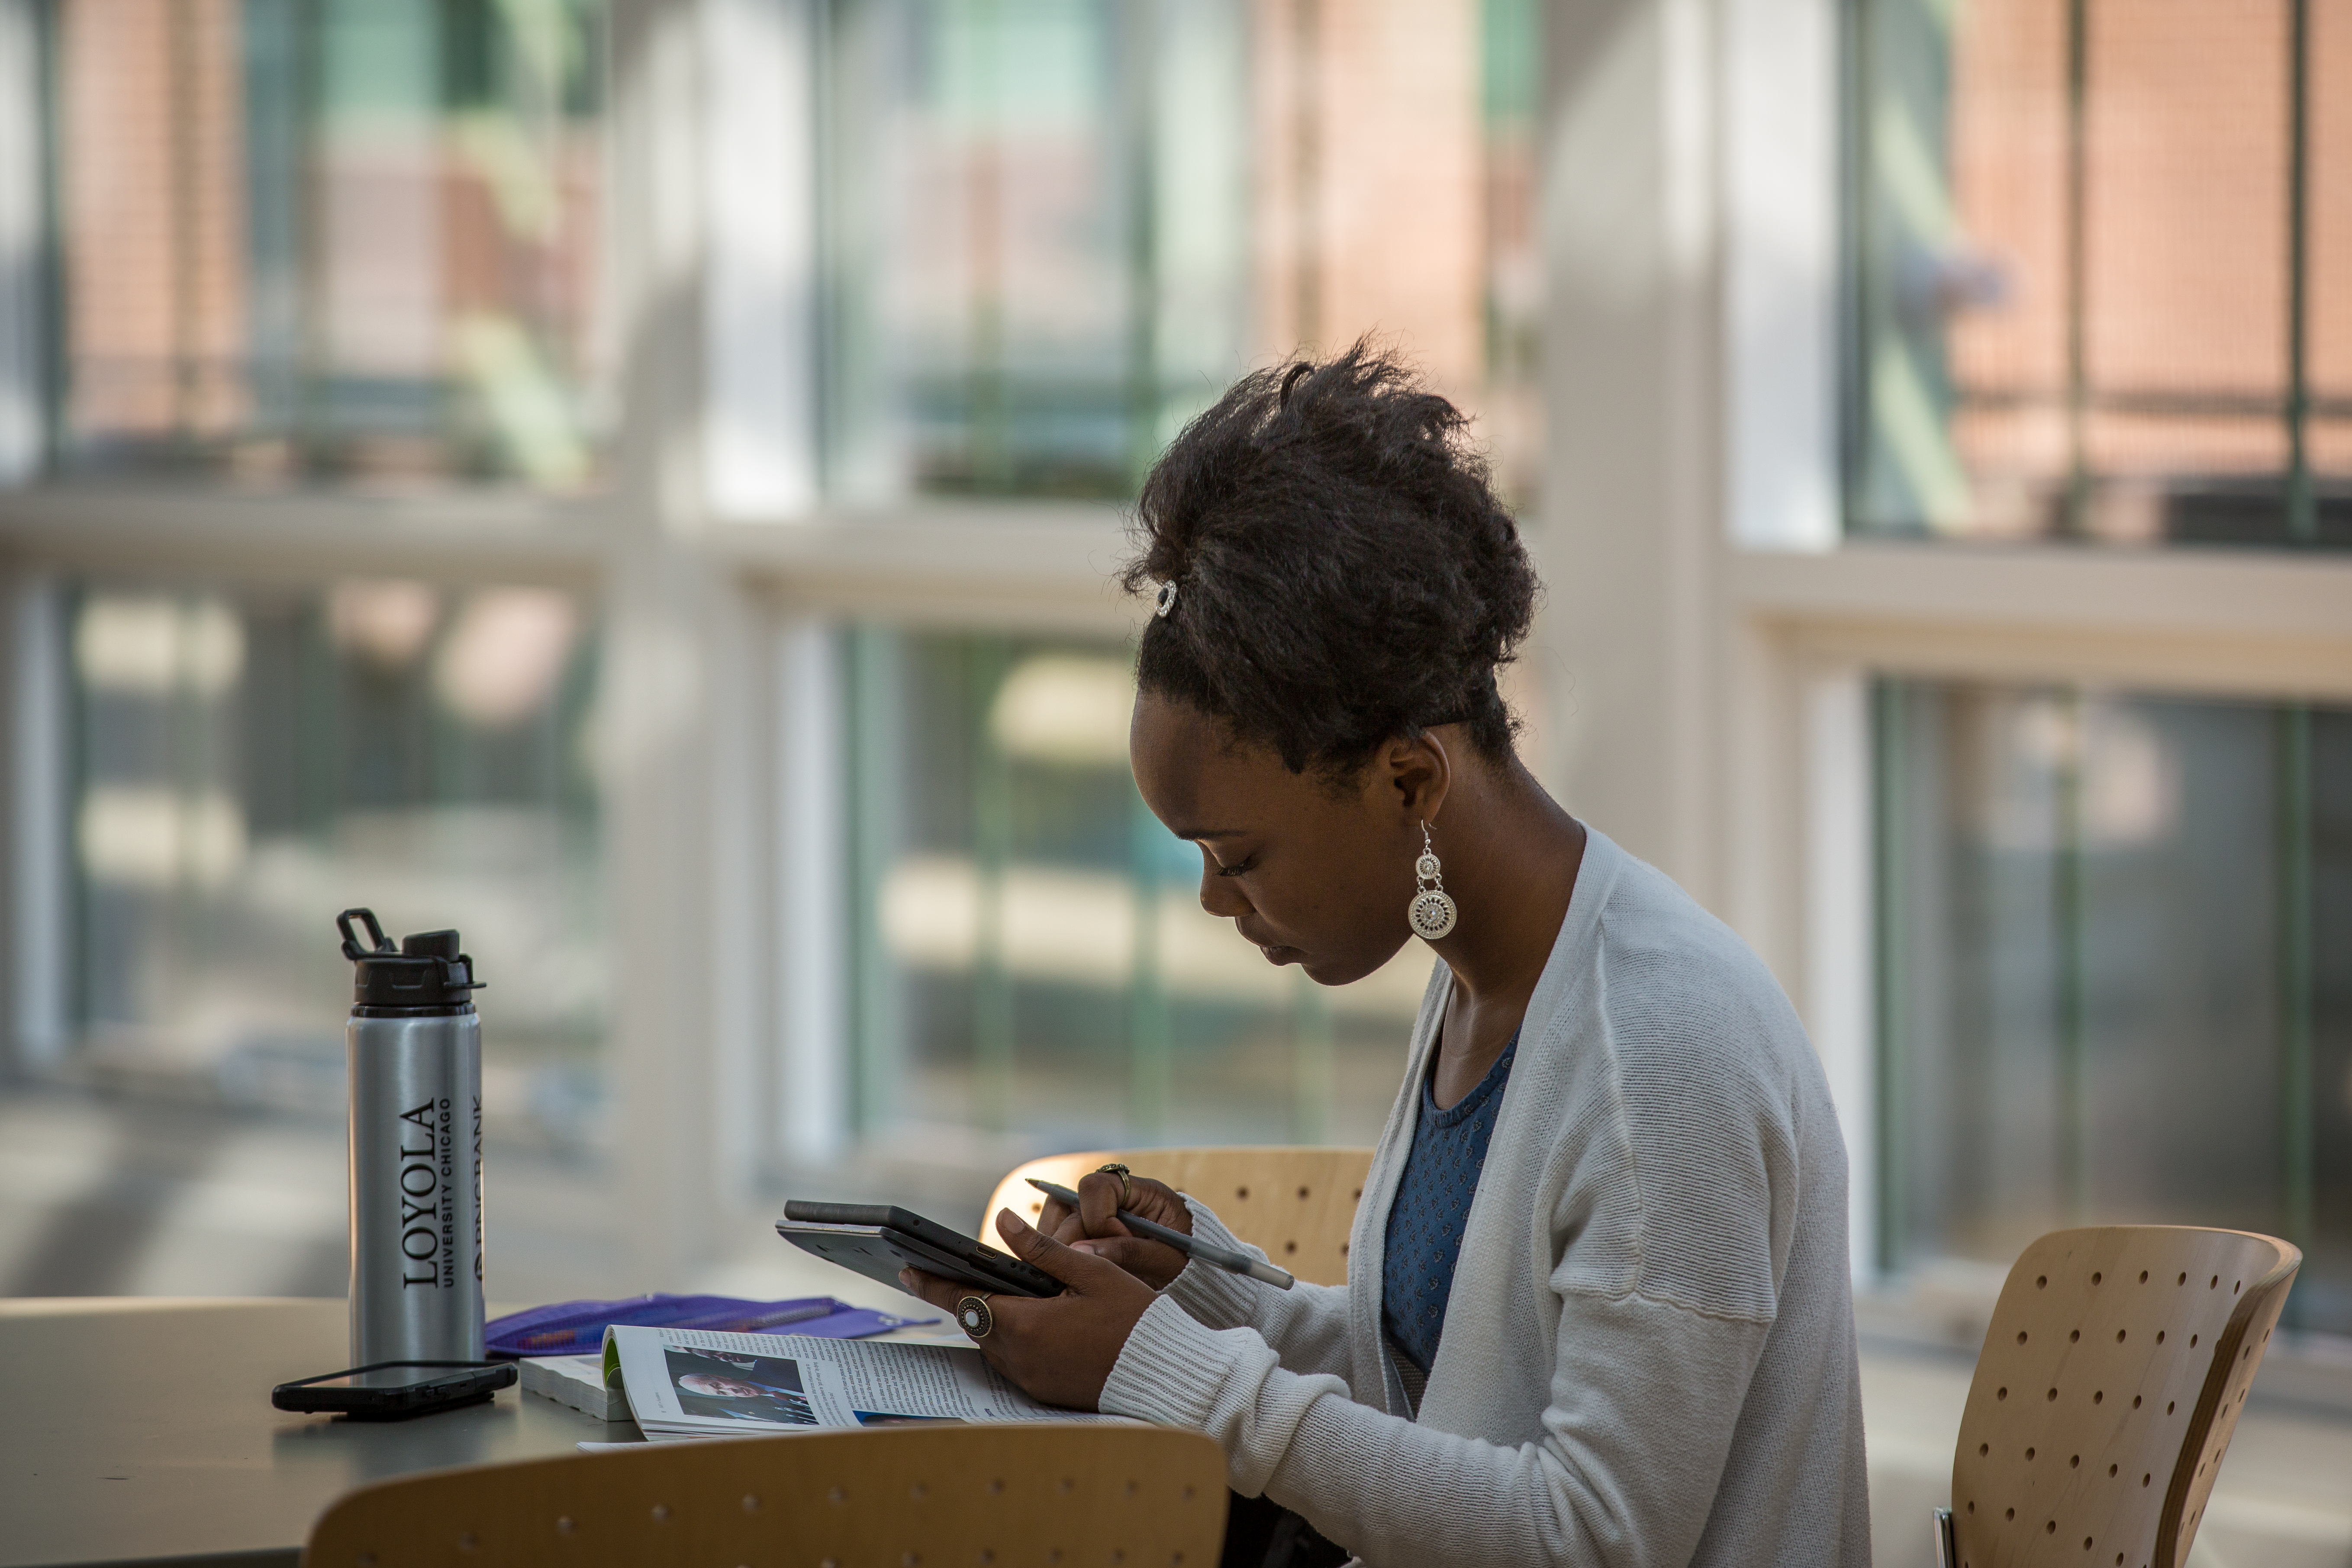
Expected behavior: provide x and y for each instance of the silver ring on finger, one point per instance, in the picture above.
(974, 1317)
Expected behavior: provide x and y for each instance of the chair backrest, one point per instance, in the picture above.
(2110, 1382)
(1146, 1496)
(1295, 1203)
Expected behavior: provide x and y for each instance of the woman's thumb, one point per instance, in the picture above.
(1034, 1248)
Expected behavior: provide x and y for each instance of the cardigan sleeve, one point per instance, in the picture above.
(1306, 1326)
(1635, 1440)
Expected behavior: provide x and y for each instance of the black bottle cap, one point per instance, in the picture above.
(427, 975)
(430, 944)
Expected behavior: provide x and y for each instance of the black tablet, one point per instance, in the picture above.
(880, 1239)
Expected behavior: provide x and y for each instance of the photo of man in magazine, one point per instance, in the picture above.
(740, 1387)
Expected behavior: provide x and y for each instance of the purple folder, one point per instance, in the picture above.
(577, 1327)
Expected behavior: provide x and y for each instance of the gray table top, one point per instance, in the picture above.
(138, 1430)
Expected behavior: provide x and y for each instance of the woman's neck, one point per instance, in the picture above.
(1510, 855)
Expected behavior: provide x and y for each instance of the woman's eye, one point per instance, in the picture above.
(1237, 867)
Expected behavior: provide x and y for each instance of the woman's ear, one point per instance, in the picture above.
(1417, 774)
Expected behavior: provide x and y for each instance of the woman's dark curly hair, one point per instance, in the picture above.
(1344, 574)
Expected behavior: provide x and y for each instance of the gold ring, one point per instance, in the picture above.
(1126, 1188)
(974, 1317)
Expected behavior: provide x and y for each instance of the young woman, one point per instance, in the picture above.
(1597, 1308)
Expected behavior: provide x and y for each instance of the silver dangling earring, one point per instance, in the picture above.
(1432, 912)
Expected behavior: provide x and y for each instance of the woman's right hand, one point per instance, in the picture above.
(1095, 1226)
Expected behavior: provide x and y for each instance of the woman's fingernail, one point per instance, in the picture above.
(1087, 1247)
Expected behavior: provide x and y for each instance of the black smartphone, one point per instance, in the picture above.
(396, 1390)
(880, 1239)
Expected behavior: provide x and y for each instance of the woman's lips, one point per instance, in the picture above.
(1275, 952)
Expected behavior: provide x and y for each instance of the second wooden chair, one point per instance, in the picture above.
(2110, 1379)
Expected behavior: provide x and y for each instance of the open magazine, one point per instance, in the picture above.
(699, 1382)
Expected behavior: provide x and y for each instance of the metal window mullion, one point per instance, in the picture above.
(1307, 173)
(2302, 512)
(874, 998)
(50, 297)
(2075, 521)
(991, 807)
(2071, 917)
(311, 418)
(2296, 848)
(185, 217)
(990, 417)
(1890, 737)
(81, 952)
(1137, 26)
(1857, 279)
(826, 380)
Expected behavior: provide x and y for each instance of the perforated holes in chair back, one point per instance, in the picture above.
(2107, 1391)
(1147, 1497)
(1298, 1203)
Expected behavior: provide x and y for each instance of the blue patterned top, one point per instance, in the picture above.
(1432, 1204)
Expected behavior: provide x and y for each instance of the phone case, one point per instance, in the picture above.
(878, 1240)
(440, 1386)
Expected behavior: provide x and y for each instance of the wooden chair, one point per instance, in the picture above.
(1296, 1204)
(1148, 1496)
(2110, 1379)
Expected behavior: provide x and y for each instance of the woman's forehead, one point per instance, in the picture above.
(1188, 748)
(1202, 783)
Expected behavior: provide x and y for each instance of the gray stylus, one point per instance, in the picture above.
(1206, 1251)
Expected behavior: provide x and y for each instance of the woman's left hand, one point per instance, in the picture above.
(1059, 1349)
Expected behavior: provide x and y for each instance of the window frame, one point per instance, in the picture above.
(1800, 614)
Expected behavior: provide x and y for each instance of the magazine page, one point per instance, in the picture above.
(700, 1383)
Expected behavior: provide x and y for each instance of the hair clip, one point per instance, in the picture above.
(1167, 599)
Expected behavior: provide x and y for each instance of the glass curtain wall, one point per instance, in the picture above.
(245, 764)
(2115, 971)
(1054, 231)
(352, 239)
(2102, 270)
(1034, 967)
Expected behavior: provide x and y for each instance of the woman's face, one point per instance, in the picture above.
(1314, 877)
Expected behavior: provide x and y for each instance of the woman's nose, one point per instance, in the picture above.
(1220, 894)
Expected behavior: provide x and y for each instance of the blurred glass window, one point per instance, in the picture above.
(2103, 270)
(2116, 973)
(1057, 229)
(350, 239)
(245, 765)
(1033, 967)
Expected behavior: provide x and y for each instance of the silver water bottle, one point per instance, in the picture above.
(414, 1046)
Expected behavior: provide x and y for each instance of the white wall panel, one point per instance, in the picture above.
(758, 166)
(1781, 272)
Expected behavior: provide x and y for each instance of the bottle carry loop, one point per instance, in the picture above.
(352, 949)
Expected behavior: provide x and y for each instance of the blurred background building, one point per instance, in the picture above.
(636, 480)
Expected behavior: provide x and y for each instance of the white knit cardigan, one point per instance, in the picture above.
(1649, 1351)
